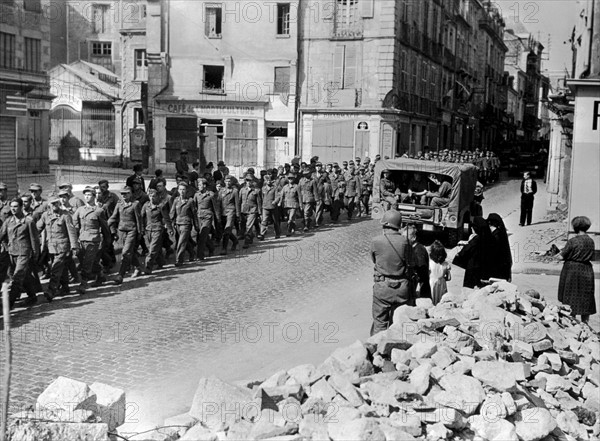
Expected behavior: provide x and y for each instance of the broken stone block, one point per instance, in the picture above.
(493, 408)
(509, 403)
(419, 378)
(568, 356)
(322, 389)
(496, 374)
(438, 431)
(110, 404)
(302, 373)
(423, 350)
(199, 433)
(552, 359)
(386, 345)
(271, 424)
(39, 430)
(280, 393)
(409, 423)
(277, 379)
(493, 429)
(353, 359)
(65, 394)
(569, 423)
(525, 349)
(399, 356)
(313, 427)
(366, 429)
(394, 433)
(534, 423)
(346, 389)
(216, 403)
(444, 357)
(531, 333)
(447, 416)
(460, 392)
(522, 371)
(185, 421)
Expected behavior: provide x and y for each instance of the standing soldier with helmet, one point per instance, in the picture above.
(62, 242)
(126, 227)
(393, 272)
(353, 192)
(90, 221)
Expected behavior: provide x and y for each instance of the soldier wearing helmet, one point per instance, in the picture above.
(393, 259)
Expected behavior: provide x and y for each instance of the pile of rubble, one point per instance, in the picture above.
(492, 364)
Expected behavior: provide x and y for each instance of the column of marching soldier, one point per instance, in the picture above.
(69, 240)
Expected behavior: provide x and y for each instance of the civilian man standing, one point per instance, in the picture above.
(392, 255)
(528, 191)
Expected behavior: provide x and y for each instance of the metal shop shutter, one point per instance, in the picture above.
(8, 155)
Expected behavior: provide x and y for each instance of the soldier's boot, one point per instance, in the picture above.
(136, 272)
(83, 286)
(100, 279)
(236, 241)
(225, 243)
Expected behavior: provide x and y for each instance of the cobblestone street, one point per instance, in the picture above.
(282, 303)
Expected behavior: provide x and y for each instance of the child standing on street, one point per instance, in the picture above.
(439, 271)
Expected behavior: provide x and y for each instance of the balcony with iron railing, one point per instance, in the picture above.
(348, 31)
(39, 78)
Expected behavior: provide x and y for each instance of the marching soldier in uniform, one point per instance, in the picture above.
(230, 210)
(250, 208)
(181, 165)
(21, 237)
(308, 197)
(156, 220)
(290, 201)
(107, 200)
(183, 216)
(337, 203)
(69, 201)
(90, 221)
(38, 203)
(271, 196)
(62, 242)
(323, 198)
(127, 221)
(208, 213)
(353, 192)
(4, 202)
(365, 191)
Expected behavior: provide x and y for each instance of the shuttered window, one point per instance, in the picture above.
(7, 50)
(241, 142)
(213, 21)
(33, 54)
(282, 80)
(345, 66)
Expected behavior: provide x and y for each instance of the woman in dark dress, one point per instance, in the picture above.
(502, 258)
(476, 255)
(576, 285)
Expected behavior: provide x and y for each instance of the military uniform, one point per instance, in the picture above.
(108, 202)
(290, 200)
(230, 210)
(61, 237)
(126, 221)
(308, 198)
(271, 197)
(337, 203)
(90, 221)
(393, 262)
(156, 220)
(366, 189)
(23, 244)
(353, 192)
(388, 192)
(323, 199)
(184, 217)
(208, 212)
(250, 208)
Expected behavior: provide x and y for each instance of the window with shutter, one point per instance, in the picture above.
(338, 66)
(282, 80)
(350, 67)
(7, 50)
(283, 19)
(213, 21)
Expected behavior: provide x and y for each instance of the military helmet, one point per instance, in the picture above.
(392, 219)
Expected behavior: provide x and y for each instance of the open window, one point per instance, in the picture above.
(213, 78)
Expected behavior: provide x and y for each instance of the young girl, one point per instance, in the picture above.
(439, 271)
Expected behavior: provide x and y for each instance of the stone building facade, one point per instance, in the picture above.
(24, 88)
(222, 82)
(393, 77)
